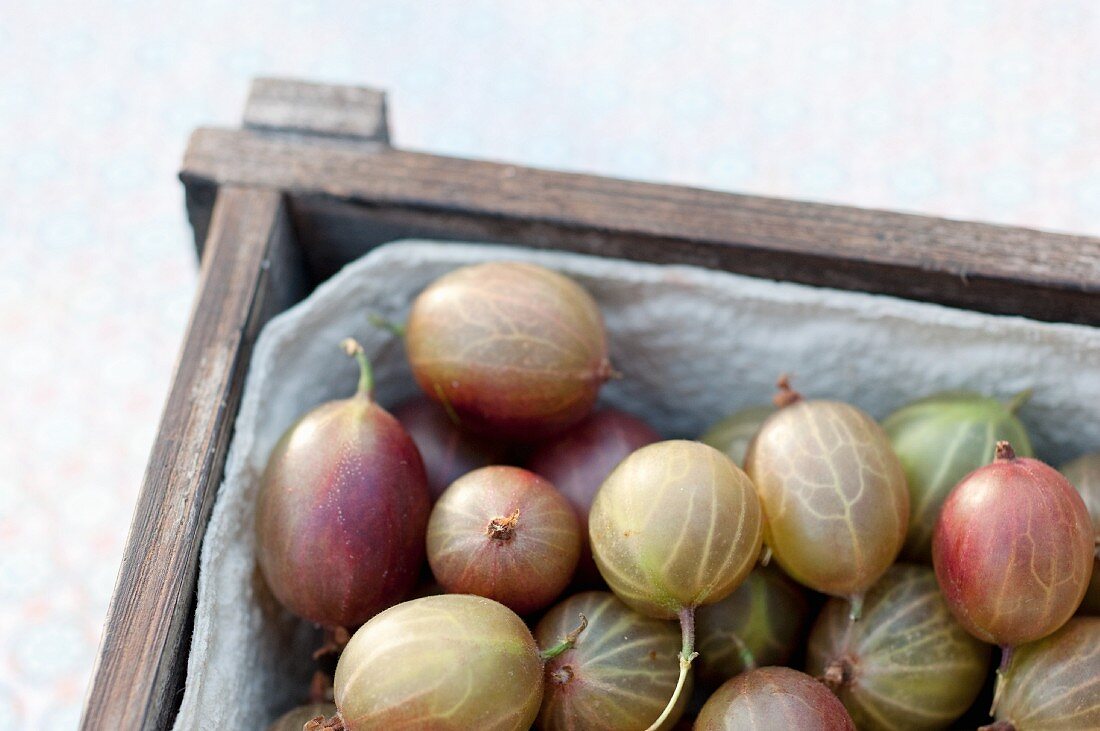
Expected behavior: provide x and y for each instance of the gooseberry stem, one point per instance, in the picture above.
(1006, 661)
(748, 660)
(1017, 402)
(855, 610)
(687, 654)
(765, 555)
(567, 643)
(366, 375)
(381, 322)
(838, 673)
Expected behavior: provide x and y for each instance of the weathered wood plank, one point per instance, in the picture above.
(341, 196)
(299, 108)
(251, 271)
(317, 109)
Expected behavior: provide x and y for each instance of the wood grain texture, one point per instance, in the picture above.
(284, 105)
(251, 271)
(342, 195)
(296, 109)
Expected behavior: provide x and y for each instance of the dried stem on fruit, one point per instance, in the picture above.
(567, 643)
(503, 529)
(786, 395)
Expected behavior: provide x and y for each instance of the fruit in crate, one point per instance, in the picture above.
(940, 440)
(833, 494)
(763, 622)
(450, 663)
(1013, 552)
(1084, 474)
(619, 673)
(733, 434)
(342, 510)
(907, 663)
(675, 526)
(773, 698)
(514, 350)
(504, 533)
(1054, 683)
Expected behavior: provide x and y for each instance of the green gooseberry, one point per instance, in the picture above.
(733, 433)
(675, 526)
(618, 673)
(451, 662)
(907, 664)
(761, 623)
(940, 440)
(833, 494)
(1054, 683)
(1084, 474)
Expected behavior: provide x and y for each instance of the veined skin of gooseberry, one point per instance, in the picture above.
(773, 698)
(580, 459)
(449, 663)
(907, 664)
(618, 675)
(296, 718)
(940, 440)
(341, 514)
(1013, 551)
(1055, 683)
(516, 350)
(767, 615)
(676, 525)
(1084, 474)
(525, 562)
(448, 451)
(733, 434)
(835, 502)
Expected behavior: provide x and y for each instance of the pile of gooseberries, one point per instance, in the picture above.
(502, 553)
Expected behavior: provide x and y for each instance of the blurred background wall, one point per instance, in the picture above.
(964, 108)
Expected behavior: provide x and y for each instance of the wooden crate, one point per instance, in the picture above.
(311, 182)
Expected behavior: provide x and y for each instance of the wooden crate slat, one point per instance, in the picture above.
(980, 266)
(285, 105)
(252, 270)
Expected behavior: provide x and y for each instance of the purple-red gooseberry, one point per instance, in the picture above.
(342, 510)
(448, 451)
(1013, 552)
(504, 533)
(772, 698)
